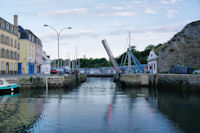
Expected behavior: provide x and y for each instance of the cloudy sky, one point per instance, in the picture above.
(151, 22)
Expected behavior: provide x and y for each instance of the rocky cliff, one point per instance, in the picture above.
(183, 49)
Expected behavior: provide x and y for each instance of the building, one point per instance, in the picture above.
(9, 46)
(30, 61)
(152, 62)
(46, 63)
(38, 54)
(63, 63)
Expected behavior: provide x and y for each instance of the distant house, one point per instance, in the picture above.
(46, 63)
(152, 62)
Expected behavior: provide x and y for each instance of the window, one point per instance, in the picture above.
(2, 24)
(2, 53)
(15, 55)
(15, 43)
(2, 39)
(11, 66)
(7, 27)
(2, 66)
(11, 55)
(11, 42)
(7, 40)
(7, 54)
(11, 28)
(15, 67)
(18, 45)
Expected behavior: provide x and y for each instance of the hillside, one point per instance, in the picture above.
(183, 49)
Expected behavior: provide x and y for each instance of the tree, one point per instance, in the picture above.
(150, 47)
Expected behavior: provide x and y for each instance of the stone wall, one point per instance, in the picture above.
(169, 81)
(180, 81)
(134, 79)
(52, 81)
(183, 49)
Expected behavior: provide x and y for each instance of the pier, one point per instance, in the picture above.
(169, 81)
(33, 81)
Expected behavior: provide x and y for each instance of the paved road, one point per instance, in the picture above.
(21, 75)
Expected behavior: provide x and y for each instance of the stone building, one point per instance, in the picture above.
(182, 49)
(9, 46)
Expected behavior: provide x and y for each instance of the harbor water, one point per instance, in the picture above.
(100, 106)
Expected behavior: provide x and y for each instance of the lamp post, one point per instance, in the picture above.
(58, 37)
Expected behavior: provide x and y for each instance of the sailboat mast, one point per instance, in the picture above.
(129, 55)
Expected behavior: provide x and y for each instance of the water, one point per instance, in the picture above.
(100, 106)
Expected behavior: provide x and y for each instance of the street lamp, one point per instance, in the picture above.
(58, 35)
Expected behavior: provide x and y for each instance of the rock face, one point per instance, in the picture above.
(183, 49)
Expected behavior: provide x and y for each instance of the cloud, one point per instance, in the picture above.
(147, 29)
(170, 1)
(116, 24)
(85, 31)
(78, 34)
(118, 8)
(64, 12)
(170, 13)
(118, 14)
(150, 11)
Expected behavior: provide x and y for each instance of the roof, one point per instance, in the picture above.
(152, 56)
(24, 34)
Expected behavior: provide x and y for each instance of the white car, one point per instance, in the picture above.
(196, 72)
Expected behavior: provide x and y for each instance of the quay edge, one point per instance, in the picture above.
(60, 81)
(170, 81)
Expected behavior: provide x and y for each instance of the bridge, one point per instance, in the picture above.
(110, 71)
(116, 69)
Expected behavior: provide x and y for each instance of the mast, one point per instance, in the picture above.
(129, 55)
(76, 66)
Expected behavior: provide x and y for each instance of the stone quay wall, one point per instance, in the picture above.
(68, 81)
(171, 81)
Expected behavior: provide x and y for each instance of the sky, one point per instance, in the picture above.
(150, 22)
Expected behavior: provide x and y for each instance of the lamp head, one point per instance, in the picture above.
(45, 25)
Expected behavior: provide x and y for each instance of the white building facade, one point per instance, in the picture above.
(46, 63)
(152, 62)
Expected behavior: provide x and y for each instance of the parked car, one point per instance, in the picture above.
(60, 71)
(53, 71)
(196, 72)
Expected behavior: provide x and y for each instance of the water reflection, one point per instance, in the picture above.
(18, 114)
(180, 107)
(100, 106)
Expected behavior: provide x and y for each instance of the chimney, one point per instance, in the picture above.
(16, 20)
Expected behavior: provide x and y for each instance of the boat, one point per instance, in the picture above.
(5, 86)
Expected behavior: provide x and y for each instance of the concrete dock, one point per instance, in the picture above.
(67, 81)
(180, 81)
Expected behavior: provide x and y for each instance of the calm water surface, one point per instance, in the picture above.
(100, 106)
